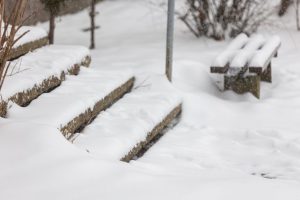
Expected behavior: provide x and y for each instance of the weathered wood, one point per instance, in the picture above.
(89, 29)
(93, 26)
(245, 84)
(257, 70)
(3, 108)
(236, 78)
(267, 74)
(219, 70)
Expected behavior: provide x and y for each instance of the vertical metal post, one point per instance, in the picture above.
(170, 38)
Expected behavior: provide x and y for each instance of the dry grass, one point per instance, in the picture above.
(9, 27)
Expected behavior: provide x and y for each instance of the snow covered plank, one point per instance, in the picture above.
(240, 60)
(77, 101)
(122, 131)
(221, 63)
(253, 59)
(261, 61)
(34, 38)
(238, 53)
(41, 71)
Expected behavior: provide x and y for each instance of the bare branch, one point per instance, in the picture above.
(219, 19)
(8, 34)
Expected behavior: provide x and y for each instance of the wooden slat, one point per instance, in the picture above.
(219, 70)
(271, 44)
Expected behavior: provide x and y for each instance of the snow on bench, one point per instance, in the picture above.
(226, 56)
(121, 131)
(77, 101)
(263, 57)
(33, 39)
(42, 70)
(242, 57)
(243, 65)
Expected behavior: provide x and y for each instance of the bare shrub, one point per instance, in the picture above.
(9, 26)
(297, 5)
(219, 19)
(284, 5)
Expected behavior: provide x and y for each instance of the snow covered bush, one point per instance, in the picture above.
(284, 5)
(219, 19)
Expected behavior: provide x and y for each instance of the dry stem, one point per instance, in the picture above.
(9, 27)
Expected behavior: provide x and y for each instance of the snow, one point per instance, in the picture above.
(219, 80)
(227, 55)
(226, 146)
(238, 42)
(224, 58)
(115, 132)
(34, 33)
(72, 98)
(262, 56)
(245, 55)
(54, 168)
(35, 67)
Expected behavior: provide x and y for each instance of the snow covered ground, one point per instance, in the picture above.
(33, 68)
(226, 146)
(33, 32)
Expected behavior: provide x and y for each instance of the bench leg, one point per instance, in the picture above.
(245, 84)
(267, 74)
(254, 84)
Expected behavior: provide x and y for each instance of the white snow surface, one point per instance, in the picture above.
(33, 33)
(115, 132)
(228, 54)
(263, 55)
(226, 146)
(72, 98)
(245, 55)
(33, 68)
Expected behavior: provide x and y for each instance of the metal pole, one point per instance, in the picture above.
(170, 38)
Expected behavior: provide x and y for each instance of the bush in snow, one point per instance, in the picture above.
(9, 26)
(284, 5)
(219, 19)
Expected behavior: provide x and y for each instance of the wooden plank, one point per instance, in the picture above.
(241, 85)
(219, 70)
(269, 50)
(226, 56)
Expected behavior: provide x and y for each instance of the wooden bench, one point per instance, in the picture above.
(244, 63)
